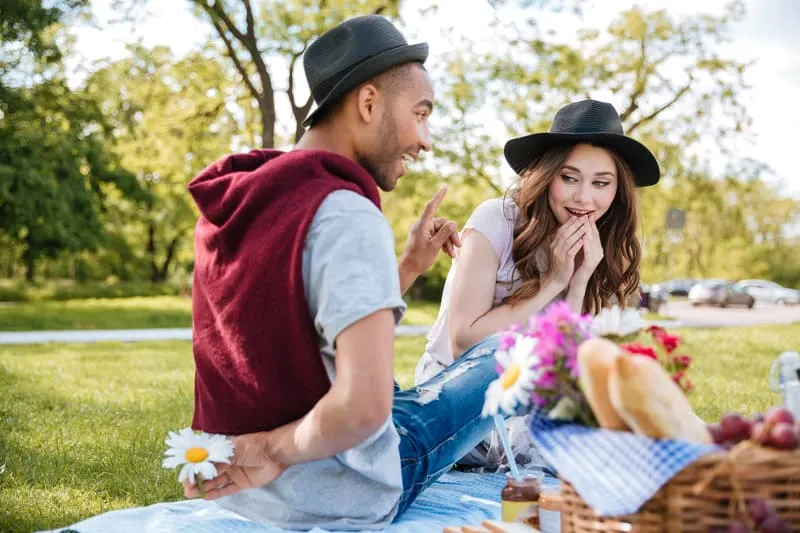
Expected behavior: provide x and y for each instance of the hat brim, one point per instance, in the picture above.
(521, 152)
(377, 64)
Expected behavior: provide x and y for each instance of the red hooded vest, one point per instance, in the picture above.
(256, 351)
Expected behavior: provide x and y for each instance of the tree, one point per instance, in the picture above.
(253, 32)
(54, 168)
(54, 173)
(168, 125)
(667, 78)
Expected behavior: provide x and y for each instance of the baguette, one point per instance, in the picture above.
(595, 359)
(651, 403)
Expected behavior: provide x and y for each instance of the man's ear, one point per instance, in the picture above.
(368, 101)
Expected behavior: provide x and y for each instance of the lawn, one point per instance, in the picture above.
(83, 425)
(133, 313)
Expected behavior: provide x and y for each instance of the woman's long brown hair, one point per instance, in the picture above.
(618, 273)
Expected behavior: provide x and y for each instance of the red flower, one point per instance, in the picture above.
(639, 349)
(682, 380)
(656, 331)
(683, 360)
(669, 342)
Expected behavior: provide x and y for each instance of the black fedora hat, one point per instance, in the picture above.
(353, 52)
(586, 121)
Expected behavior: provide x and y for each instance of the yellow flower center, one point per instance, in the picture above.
(196, 455)
(510, 376)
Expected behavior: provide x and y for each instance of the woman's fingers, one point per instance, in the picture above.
(566, 229)
(570, 241)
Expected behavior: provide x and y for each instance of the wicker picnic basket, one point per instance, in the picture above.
(710, 492)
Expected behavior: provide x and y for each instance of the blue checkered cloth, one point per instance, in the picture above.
(615, 472)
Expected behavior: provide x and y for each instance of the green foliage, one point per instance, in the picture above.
(169, 120)
(93, 182)
(25, 23)
(55, 173)
(674, 89)
(281, 29)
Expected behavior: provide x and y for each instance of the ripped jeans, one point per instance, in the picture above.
(439, 421)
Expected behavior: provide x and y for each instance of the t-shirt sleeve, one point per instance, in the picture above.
(350, 267)
(493, 222)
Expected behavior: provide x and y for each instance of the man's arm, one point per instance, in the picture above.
(358, 403)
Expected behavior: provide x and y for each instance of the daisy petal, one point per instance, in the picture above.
(172, 462)
(207, 470)
(187, 472)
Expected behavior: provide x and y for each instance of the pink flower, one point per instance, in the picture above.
(547, 380)
(507, 340)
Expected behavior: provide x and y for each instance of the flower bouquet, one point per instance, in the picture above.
(538, 362)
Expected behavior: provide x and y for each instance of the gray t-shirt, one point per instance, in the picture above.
(349, 272)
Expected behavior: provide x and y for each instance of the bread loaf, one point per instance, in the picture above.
(651, 403)
(595, 359)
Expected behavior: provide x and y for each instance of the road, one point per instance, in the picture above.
(680, 313)
(709, 317)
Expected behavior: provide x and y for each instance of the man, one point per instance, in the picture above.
(296, 295)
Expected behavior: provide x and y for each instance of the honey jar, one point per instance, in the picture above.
(519, 500)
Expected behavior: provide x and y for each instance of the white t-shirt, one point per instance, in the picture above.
(495, 219)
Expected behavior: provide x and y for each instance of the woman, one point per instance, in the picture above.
(566, 230)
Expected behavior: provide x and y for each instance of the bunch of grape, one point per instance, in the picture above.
(777, 429)
(764, 517)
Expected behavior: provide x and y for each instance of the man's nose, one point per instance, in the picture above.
(424, 138)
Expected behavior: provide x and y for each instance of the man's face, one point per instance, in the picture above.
(402, 128)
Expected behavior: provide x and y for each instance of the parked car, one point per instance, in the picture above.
(652, 297)
(769, 291)
(720, 292)
(679, 287)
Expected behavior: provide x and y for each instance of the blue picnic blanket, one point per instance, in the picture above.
(615, 472)
(456, 498)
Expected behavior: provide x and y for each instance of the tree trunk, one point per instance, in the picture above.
(163, 272)
(267, 106)
(151, 251)
(30, 266)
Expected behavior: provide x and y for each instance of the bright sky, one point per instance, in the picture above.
(767, 35)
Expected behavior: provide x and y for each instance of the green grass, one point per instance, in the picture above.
(82, 426)
(133, 313)
(118, 313)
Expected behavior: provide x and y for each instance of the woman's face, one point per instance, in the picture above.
(585, 185)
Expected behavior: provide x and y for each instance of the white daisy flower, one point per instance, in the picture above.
(615, 322)
(513, 388)
(197, 452)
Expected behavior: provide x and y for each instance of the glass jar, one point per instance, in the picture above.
(549, 514)
(520, 500)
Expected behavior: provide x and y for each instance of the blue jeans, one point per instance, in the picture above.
(440, 420)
